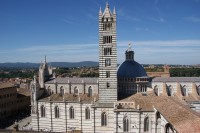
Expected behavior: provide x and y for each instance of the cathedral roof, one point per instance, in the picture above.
(70, 98)
(73, 80)
(6, 85)
(176, 79)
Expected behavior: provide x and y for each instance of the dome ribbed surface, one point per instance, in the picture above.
(131, 69)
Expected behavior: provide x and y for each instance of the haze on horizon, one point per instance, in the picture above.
(161, 31)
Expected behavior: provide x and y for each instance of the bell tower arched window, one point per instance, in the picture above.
(107, 51)
(107, 62)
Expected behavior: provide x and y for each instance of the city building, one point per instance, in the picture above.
(8, 95)
(122, 99)
(13, 100)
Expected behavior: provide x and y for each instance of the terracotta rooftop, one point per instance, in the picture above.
(176, 79)
(72, 80)
(6, 85)
(142, 100)
(71, 98)
(184, 119)
(103, 105)
(175, 111)
(24, 91)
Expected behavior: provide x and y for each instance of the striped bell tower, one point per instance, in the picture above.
(107, 56)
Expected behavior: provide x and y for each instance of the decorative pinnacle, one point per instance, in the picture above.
(107, 4)
(100, 12)
(114, 12)
(45, 59)
(34, 78)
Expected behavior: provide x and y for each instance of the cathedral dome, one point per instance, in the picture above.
(130, 68)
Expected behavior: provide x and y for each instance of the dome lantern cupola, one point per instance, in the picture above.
(130, 68)
(129, 53)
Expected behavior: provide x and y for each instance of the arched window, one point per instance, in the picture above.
(62, 91)
(158, 122)
(42, 110)
(87, 113)
(168, 128)
(103, 119)
(198, 90)
(57, 112)
(75, 90)
(156, 90)
(125, 124)
(71, 113)
(169, 90)
(146, 124)
(90, 91)
(184, 90)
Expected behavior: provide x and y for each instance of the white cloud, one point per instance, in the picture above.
(192, 19)
(163, 43)
(160, 19)
(58, 47)
(158, 51)
(68, 21)
(170, 52)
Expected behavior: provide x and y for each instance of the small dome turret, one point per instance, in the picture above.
(129, 53)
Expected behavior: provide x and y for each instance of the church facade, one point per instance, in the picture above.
(121, 100)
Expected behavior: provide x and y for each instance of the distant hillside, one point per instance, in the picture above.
(74, 64)
(54, 64)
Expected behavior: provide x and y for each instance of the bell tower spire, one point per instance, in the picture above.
(107, 57)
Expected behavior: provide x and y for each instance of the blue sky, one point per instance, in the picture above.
(161, 31)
